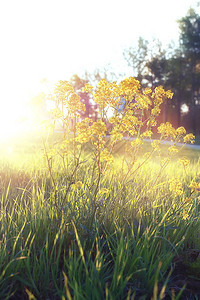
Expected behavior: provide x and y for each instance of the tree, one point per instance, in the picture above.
(103, 73)
(190, 47)
(137, 58)
(177, 81)
(178, 71)
(157, 66)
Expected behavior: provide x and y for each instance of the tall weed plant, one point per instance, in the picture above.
(75, 170)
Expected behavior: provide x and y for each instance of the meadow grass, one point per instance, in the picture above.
(129, 246)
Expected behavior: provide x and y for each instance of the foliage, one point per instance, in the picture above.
(137, 58)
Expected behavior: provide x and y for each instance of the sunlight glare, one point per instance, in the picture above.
(15, 115)
(12, 120)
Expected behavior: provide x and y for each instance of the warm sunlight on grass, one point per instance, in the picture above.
(93, 197)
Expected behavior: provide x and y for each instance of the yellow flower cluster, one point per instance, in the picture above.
(152, 122)
(98, 128)
(143, 101)
(194, 186)
(129, 87)
(180, 131)
(176, 186)
(106, 93)
(189, 138)
(106, 156)
(147, 134)
(87, 88)
(130, 124)
(172, 150)
(159, 93)
(74, 104)
(185, 215)
(157, 96)
(184, 161)
(134, 114)
(136, 143)
(156, 145)
(166, 130)
(147, 91)
(116, 134)
(62, 90)
(155, 111)
(84, 131)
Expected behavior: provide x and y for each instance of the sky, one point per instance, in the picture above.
(55, 39)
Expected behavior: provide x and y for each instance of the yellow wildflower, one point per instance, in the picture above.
(106, 156)
(189, 138)
(194, 186)
(87, 88)
(181, 130)
(143, 101)
(184, 161)
(98, 128)
(185, 215)
(62, 90)
(169, 94)
(152, 123)
(147, 133)
(155, 111)
(84, 133)
(79, 185)
(116, 134)
(167, 130)
(176, 186)
(159, 91)
(129, 87)
(136, 143)
(74, 104)
(172, 150)
(155, 145)
(147, 91)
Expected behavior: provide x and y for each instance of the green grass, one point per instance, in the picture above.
(132, 245)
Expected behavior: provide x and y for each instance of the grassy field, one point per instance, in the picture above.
(139, 239)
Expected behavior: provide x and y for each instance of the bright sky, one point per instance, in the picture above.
(55, 39)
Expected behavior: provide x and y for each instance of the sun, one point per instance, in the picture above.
(13, 119)
(18, 114)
